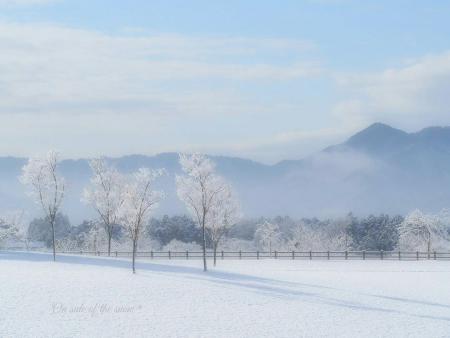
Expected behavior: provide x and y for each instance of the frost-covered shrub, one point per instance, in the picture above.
(176, 245)
(236, 244)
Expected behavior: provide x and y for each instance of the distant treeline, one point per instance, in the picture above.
(381, 232)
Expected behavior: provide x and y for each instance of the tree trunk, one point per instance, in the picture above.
(53, 239)
(134, 255)
(109, 242)
(204, 245)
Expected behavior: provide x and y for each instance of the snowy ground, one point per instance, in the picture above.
(100, 297)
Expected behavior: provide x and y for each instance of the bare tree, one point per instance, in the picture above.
(199, 189)
(267, 235)
(105, 194)
(224, 214)
(46, 186)
(139, 201)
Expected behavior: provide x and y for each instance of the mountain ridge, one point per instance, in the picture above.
(379, 169)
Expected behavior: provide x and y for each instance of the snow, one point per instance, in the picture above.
(100, 297)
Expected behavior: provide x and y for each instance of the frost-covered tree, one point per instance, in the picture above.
(18, 226)
(168, 228)
(105, 195)
(418, 228)
(8, 229)
(328, 236)
(94, 237)
(267, 235)
(40, 230)
(139, 201)
(375, 232)
(303, 238)
(224, 214)
(199, 188)
(46, 186)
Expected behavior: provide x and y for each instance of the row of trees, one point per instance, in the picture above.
(417, 231)
(128, 201)
(125, 204)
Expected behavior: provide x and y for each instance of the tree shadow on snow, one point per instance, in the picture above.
(265, 286)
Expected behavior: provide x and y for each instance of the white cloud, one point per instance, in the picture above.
(412, 96)
(48, 68)
(71, 88)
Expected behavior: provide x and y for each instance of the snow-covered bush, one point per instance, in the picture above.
(176, 245)
(236, 244)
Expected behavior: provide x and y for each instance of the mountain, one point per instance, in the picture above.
(379, 169)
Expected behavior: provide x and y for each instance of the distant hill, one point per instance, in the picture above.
(379, 169)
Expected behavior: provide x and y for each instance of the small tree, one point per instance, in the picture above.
(93, 237)
(19, 226)
(139, 201)
(199, 189)
(267, 234)
(303, 237)
(420, 227)
(224, 214)
(46, 187)
(7, 230)
(105, 194)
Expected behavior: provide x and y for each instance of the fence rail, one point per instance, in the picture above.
(293, 255)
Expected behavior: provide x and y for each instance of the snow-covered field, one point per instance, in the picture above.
(100, 297)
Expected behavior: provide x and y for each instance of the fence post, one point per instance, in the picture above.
(381, 254)
(434, 254)
(222, 254)
(364, 255)
(116, 253)
(328, 255)
(417, 255)
(257, 254)
(276, 254)
(346, 254)
(81, 252)
(293, 254)
(240, 254)
(98, 253)
(399, 256)
(310, 254)
(187, 254)
(151, 254)
(169, 255)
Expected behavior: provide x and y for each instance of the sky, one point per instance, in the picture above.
(265, 80)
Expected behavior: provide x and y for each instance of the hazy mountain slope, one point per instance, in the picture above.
(380, 169)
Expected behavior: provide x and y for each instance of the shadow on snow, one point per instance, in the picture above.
(266, 286)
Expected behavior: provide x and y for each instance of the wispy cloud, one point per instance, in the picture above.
(68, 82)
(47, 67)
(412, 96)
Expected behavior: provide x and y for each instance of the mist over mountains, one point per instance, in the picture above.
(378, 170)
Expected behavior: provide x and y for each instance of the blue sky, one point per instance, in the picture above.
(267, 80)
